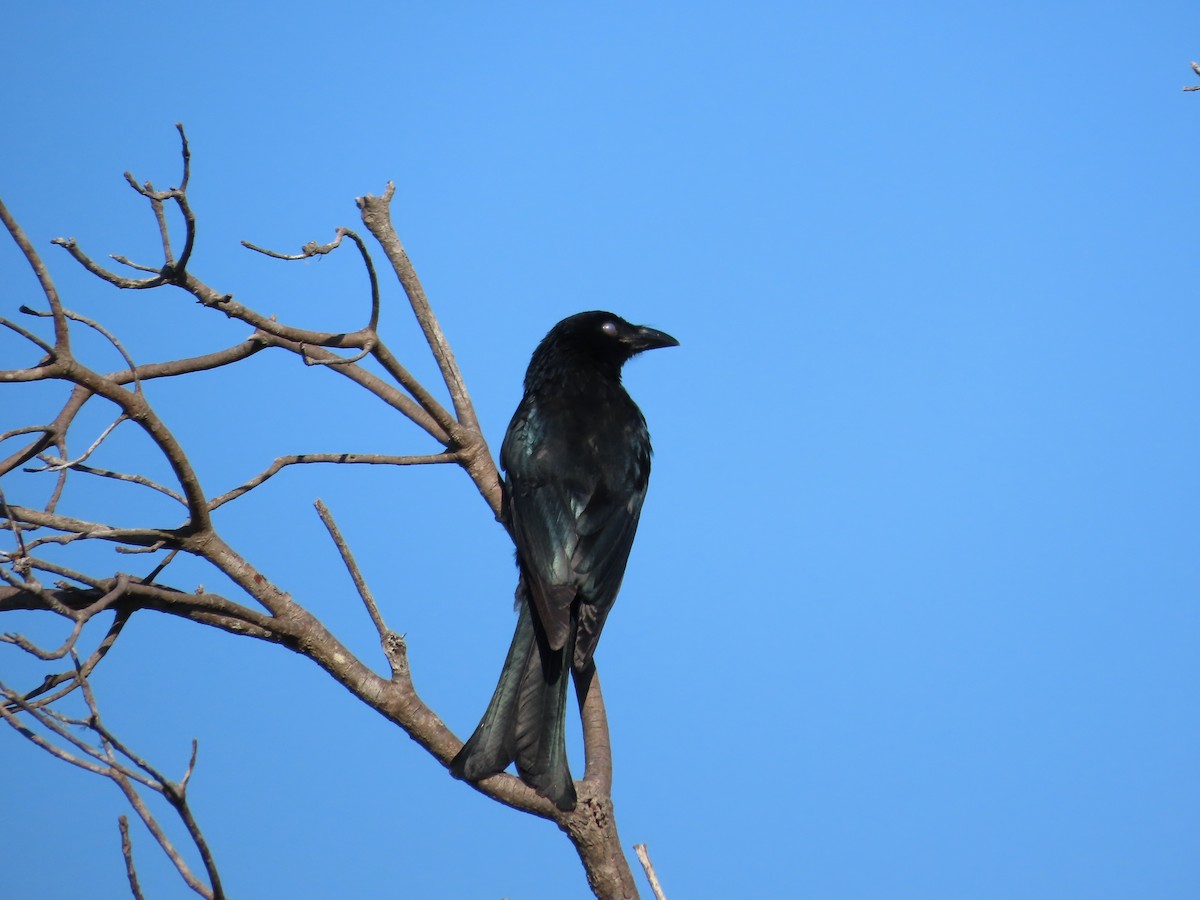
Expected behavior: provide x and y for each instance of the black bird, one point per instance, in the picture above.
(577, 461)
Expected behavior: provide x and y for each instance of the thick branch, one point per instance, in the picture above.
(597, 746)
(229, 355)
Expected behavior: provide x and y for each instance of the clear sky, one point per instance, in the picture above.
(914, 611)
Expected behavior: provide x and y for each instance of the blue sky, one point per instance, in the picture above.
(914, 609)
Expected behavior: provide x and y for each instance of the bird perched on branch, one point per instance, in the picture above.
(577, 461)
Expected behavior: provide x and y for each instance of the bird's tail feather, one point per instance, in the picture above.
(525, 721)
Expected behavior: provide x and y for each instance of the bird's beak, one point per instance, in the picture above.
(649, 339)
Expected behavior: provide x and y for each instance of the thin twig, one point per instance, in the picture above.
(166, 561)
(28, 429)
(138, 551)
(60, 464)
(160, 216)
(643, 856)
(44, 565)
(187, 156)
(308, 251)
(373, 459)
(128, 284)
(78, 529)
(185, 208)
(125, 261)
(364, 591)
(373, 322)
(28, 335)
(191, 767)
(54, 463)
(335, 360)
(127, 852)
(147, 190)
(21, 557)
(62, 339)
(53, 433)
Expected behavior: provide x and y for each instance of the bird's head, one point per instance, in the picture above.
(603, 337)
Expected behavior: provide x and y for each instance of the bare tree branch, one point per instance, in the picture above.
(265, 612)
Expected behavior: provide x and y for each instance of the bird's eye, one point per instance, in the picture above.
(609, 328)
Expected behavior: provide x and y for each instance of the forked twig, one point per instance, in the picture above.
(81, 618)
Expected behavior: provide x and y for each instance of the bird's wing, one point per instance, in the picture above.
(544, 529)
(541, 512)
(606, 527)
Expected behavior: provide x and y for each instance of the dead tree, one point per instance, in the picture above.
(32, 580)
